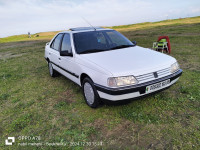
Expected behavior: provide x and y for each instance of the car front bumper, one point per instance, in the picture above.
(122, 93)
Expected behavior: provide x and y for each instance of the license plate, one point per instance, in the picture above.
(157, 86)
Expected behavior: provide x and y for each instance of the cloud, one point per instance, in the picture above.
(21, 16)
(195, 10)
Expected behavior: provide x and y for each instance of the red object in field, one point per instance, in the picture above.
(168, 42)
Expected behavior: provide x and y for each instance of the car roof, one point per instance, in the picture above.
(84, 29)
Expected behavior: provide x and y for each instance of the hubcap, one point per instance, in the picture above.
(89, 93)
(50, 69)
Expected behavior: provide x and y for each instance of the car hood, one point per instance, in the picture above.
(130, 61)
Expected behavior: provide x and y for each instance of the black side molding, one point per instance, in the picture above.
(71, 73)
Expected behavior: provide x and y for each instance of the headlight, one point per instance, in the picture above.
(174, 67)
(121, 81)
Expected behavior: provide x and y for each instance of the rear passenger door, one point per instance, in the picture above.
(54, 52)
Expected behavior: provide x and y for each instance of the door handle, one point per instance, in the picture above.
(59, 58)
(49, 53)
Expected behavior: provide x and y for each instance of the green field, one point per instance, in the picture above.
(34, 104)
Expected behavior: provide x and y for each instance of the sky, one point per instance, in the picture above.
(23, 16)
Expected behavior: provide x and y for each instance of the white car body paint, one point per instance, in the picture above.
(100, 66)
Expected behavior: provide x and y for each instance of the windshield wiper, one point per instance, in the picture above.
(91, 51)
(121, 46)
(100, 50)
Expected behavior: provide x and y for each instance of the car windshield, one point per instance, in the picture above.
(98, 41)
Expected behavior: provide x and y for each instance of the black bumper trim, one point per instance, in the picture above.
(135, 88)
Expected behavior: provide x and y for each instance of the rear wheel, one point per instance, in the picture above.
(52, 72)
(90, 93)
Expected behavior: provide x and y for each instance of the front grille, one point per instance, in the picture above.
(150, 76)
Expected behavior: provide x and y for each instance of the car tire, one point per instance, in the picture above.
(90, 93)
(52, 72)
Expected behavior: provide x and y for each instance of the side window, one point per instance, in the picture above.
(56, 43)
(66, 43)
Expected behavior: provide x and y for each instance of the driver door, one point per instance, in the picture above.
(67, 63)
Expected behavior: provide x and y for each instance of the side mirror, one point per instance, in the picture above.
(65, 53)
(134, 42)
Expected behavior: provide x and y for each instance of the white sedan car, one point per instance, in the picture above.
(109, 66)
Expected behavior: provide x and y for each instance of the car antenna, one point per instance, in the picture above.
(89, 23)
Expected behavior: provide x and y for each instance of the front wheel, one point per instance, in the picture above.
(90, 93)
